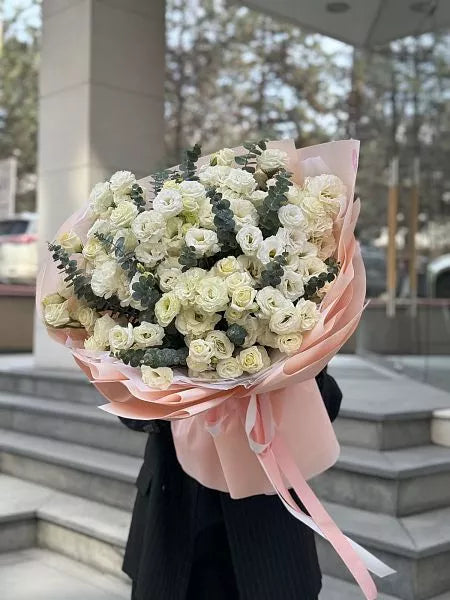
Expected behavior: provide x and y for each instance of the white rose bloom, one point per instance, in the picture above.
(243, 297)
(285, 320)
(204, 241)
(272, 160)
(168, 203)
(291, 285)
(254, 359)
(147, 335)
(91, 344)
(193, 194)
(249, 239)
(121, 182)
(102, 327)
(237, 280)
(121, 338)
(222, 346)
(149, 226)
(94, 252)
(167, 308)
(186, 287)
(100, 198)
(308, 314)
(106, 278)
(244, 213)
(70, 241)
(129, 239)
(269, 248)
(52, 299)
(257, 197)
(226, 266)
(196, 367)
(232, 315)
(87, 317)
(201, 351)
(213, 176)
(295, 194)
(229, 368)
(160, 378)
(291, 216)
(240, 181)
(150, 254)
(309, 266)
(269, 300)
(251, 264)
(206, 215)
(224, 157)
(212, 294)
(289, 343)
(168, 279)
(193, 322)
(57, 315)
(123, 215)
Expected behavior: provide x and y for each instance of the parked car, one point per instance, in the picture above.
(18, 249)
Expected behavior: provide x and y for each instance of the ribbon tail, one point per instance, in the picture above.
(358, 560)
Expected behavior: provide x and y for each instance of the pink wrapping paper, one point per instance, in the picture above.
(274, 434)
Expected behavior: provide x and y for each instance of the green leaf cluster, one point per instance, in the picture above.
(137, 196)
(188, 167)
(236, 334)
(187, 257)
(275, 199)
(248, 161)
(146, 291)
(273, 272)
(224, 221)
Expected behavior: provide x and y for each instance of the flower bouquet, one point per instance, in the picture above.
(211, 294)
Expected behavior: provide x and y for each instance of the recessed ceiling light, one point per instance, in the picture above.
(338, 7)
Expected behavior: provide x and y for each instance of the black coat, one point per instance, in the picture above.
(274, 556)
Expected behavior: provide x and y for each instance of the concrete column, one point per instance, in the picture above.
(101, 108)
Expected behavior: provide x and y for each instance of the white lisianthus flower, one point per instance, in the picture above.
(206, 215)
(309, 266)
(193, 194)
(196, 323)
(221, 345)
(203, 241)
(285, 320)
(226, 266)
(150, 254)
(295, 240)
(102, 327)
(266, 337)
(196, 367)
(168, 279)
(212, 294)
(129, 239)
(87, 317)
(201, 351)
(99, 226)
(186, 286)
(269, 300)
(244, 213)
(237, 280)
(149, 226)
(229, 368)
(291, 285)
(70, 241)
(57, 315)
(254, 359)
(252, 265)
(123, 215)
(91, 344)
(52, 299)
(308, 314)
(272, 160)
(291, 216)
(289, 343)
(243, 298)
(240, 181)
(168, 203)
(106, 278)
(270, 247)
(160, 378)
(251, 326)
(171, 262)
(94, 252)
(147, 335)
(232, 315)
(326, 186)
(213, 176)
(224, 157)
(249, 239)
(100, 198)
(121, 338)
(121, 182)
(167, 308)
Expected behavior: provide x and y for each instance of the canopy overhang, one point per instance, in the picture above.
(361, 23)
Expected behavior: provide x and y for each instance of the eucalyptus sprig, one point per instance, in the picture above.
(188, 166)
(273, 272)
(275, 199)
(126, 259)
(137, 196)
(224, 221)
(248, 161)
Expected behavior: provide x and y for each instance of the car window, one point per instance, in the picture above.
(13, 227)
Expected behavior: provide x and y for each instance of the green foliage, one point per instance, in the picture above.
(248, 161)
(165, 357)
(187, 258)
(146, 292)
(224, 222)
(159, 178)
(275, 199)
(273, 272)
(315, 283)
(126, 259)
(137, 196)
(236, 334)
(188, 167)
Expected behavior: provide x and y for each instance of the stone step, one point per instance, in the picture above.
(69, 421)
(417, 547)
(86, 531)
(396, 482)
(440, 427)
(91, 473)
(337, 589)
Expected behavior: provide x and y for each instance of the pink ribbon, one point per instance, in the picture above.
(276, 460)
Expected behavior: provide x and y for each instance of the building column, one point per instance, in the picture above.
(101, 109)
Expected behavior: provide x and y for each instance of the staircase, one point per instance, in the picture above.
(67, 473)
